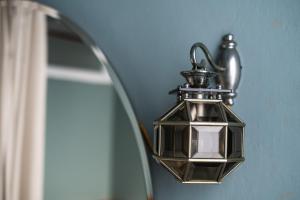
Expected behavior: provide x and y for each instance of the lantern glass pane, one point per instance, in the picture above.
(208, 141)
(230, 116)
(180, 114)
(206, 112)
(229, 167)
(235, 141)
(156, 139)
(174, 140)
(204, 171)
(178, 168)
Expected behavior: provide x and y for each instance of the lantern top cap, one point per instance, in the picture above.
(198, 76)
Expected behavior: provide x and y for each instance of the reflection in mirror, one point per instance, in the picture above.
(91, 150)
(62, 41)
(70, 58)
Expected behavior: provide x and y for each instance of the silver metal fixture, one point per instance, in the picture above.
(229, 60)
(200, 140)
(228, 67)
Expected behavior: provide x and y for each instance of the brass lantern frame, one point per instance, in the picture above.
(224, 162)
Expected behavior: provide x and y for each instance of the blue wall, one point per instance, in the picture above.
(148, 44)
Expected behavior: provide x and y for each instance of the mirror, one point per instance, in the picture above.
(94, 149)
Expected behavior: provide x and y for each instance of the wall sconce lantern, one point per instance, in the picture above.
(200, 140)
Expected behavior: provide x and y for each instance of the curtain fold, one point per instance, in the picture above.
(23, 79)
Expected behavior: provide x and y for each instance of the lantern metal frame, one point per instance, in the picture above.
(180, 135)
(163, 121)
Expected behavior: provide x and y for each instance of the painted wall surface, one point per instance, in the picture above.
(148, 44)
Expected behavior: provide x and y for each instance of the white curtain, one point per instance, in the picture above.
(23, 62)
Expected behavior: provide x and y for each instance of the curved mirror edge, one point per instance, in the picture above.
(123, 97)
(51, 12)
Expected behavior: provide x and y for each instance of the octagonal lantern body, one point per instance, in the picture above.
(199, 141)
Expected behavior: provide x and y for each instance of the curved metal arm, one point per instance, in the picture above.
(207, 55)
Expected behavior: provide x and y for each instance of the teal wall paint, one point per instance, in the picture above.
(148, 44)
